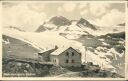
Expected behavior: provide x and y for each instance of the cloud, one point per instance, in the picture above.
(81, 6)
(69, 7)
(83, 9)
(84, 12)
(23, 17)
(60, 9)
(39, 7)
(114, 17)
(98, 9)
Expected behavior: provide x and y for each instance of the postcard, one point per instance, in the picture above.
(64, 39)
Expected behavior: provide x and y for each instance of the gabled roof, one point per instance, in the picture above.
(62, 49)
(47, 50)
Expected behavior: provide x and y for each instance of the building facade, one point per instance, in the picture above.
(66, 57)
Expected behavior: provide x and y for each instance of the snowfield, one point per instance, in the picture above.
(49, 39)
(45, 40)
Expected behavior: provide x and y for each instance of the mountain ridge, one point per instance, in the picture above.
(62, 21)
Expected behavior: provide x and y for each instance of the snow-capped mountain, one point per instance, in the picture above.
(59, 21)
(73, 29)
(53, 23)
(101, 45)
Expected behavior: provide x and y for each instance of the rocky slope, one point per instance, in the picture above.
(106, 50)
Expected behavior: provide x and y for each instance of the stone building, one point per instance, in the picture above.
(66, 57)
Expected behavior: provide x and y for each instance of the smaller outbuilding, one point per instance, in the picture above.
(44, 56)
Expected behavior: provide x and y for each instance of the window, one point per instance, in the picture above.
(54, 60)
(72, 53)
(67, 54)
(66, 61)
(73, 61)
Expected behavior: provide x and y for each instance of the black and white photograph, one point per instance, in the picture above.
(63, 39)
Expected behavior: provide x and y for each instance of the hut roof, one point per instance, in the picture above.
(62, 49)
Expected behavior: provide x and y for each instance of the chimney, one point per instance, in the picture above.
(56, 47)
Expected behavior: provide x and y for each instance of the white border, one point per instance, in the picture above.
(60, 78)
(126, 42)
(1, 39)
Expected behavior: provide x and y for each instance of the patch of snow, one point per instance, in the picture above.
(50, 26)
(121, 42)
(105, 44)
(6, 42)
(103, 63)
(116, 53)
(101, 39)
(70, 36)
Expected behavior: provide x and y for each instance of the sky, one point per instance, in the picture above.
(30, 15)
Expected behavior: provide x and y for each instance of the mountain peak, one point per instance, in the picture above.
(59, 21)
(84, 23)
(83, 20)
